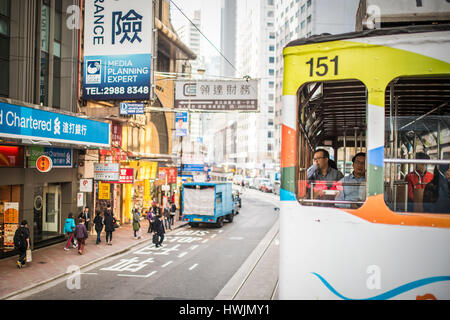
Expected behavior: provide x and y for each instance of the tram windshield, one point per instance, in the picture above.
(332, 144)
(417, 145)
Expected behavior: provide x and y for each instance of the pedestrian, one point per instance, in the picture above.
(159, 230)
(69, 228)
(86, 215)
(98, 223)
(136, 224)
(22, 242)
(109, 226)
(81, 234)
(150, 220)
(173, 210)
(167, 216)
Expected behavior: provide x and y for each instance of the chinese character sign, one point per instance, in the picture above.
(31, 123)
(230, 95)
(117, 49)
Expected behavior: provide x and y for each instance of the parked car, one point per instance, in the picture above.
(266, 186)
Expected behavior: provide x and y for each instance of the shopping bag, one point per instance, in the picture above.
(139, 234)
(29, 258)
(155, 238)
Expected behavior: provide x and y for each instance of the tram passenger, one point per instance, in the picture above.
(436, 197)
(321, 175)
(417, 180)
(352, 186)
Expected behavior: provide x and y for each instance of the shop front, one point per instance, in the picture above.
(42, 197)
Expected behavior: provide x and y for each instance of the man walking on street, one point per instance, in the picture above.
(22, 242)
(159, 230)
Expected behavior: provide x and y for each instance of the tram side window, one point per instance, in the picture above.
(417, 145)
(332, 144)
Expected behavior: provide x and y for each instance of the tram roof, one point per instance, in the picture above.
(326, 37)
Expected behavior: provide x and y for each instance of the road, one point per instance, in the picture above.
(194, 263)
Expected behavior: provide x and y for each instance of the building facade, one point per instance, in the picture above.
(39, 117)
(301, 19)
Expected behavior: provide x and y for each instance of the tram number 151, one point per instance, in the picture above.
(321, 66)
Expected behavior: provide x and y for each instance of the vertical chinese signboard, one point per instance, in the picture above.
(117, 49)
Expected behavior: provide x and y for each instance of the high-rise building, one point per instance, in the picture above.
(301, 19)
(256, 58)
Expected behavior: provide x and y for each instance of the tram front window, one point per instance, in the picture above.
(332, 144)
(417, 145)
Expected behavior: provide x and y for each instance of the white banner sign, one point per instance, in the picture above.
(232, 95)
(86, 185)
(106, 171)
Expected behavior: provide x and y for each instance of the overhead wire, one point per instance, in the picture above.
(195, 26)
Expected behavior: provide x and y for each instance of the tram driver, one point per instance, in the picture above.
(322, 175)
(352, 186)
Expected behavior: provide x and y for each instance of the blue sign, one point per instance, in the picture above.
(127, 108)
(29, 123)
(61, 157)
(181, 124)
(193, 167)
(117, 77)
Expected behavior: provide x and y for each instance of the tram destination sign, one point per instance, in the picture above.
(230, 95)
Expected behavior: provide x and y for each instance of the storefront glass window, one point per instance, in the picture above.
(9, 216)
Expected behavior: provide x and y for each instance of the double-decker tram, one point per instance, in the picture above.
(365, 197)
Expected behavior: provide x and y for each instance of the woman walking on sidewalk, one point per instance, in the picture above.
(136, 224)
(150, 220)
(98, 222)
(69, 228)
(81, 234)
(109, 226)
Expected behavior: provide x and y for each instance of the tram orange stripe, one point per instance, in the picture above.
(289, 146)
(375, 210)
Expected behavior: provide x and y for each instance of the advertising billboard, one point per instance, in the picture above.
(229, 95)
(117, 49)
(181, 124)
(29, 123)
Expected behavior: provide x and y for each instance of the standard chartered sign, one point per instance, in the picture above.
(117, 52)
(30, 123)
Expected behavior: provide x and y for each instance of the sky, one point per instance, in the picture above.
(210, 19)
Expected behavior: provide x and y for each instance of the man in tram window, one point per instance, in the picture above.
(417, 180)
(322, 175)
(352, 186)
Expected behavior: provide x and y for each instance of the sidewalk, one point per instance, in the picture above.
(51, 262)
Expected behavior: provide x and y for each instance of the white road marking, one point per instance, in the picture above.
(193, 267)
(182, 254)
(213, 236)
(89, 273)
(194, 247)
(205, 241)
(236, 238)
(166, 264)
(138, 276)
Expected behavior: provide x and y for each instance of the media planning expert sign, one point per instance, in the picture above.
(117, 52)
(217, 95)
(28, 123)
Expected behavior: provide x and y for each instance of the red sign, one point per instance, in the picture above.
(116, 134)
(11, 156)
(171, 174)
(126, 175)
(44, 163)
